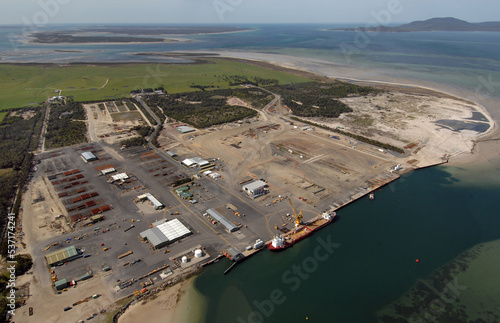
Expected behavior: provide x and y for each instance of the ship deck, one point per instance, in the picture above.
(305, 229)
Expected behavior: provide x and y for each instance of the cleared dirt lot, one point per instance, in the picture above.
(112, 123)
(292, 161)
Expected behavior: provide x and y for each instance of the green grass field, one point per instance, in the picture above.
(2, 115)
(22, 85)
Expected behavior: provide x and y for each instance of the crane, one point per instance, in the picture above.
(298, 217)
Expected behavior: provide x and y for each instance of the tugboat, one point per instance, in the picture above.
(372, 196)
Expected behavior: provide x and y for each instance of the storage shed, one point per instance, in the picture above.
(220, 218)
(87, 156)
(165, 233)
(255, 189)
(61, 255)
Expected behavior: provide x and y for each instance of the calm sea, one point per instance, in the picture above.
(367, 259)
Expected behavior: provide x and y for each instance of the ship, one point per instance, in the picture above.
(281, 242)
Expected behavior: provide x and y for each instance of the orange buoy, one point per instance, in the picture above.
(417, 260)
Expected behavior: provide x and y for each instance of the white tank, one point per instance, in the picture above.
(198, 253)
(184, 259)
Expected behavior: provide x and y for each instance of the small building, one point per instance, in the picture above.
(171, 154)
(120, 177)
(165, 233)
(186, 195)
(233, 254)
(255, 189)
(230, 227)
(185, 129)
(88, 157)
(107, 171)
(182, 189)
(157, 204)
(61, 256)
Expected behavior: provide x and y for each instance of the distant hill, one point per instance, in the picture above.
(435, 24)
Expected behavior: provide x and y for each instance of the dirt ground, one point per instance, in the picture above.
(41, 222)
(112, 127)
(307, 164)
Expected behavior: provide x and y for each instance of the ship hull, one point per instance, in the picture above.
(304, 232)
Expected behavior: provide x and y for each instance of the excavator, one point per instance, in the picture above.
(298, 217)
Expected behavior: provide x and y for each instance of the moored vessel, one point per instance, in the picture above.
(281, 242)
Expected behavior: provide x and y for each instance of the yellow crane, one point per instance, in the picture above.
(298, 217)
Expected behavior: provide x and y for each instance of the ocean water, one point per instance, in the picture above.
(424, 216)
(356, 267)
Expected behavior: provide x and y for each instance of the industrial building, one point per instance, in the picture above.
(233, 254)
(183, 192)
(230, 227)
(62, 255)
(120, 177)
(154, 201)
(157, 204)
(165, 232)
(196, 161)
(255, 189)
(185, 129)
(87, 156)
(108, 171)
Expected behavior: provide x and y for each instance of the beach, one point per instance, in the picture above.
(179, 303)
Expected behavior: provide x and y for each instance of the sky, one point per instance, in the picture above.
(46, 12)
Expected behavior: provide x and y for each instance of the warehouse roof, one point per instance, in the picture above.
(220, 218)
(254, 185)
(120, 176)
(196, 160)
(108, 171)
(165, 233)
(154, 200)
(185, 129)
(61, 255)
(171, 153)
(88, 155)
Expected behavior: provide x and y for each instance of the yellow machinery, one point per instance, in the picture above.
(298, 217)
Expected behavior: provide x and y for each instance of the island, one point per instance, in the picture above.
(126, 34)
(434, 24)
